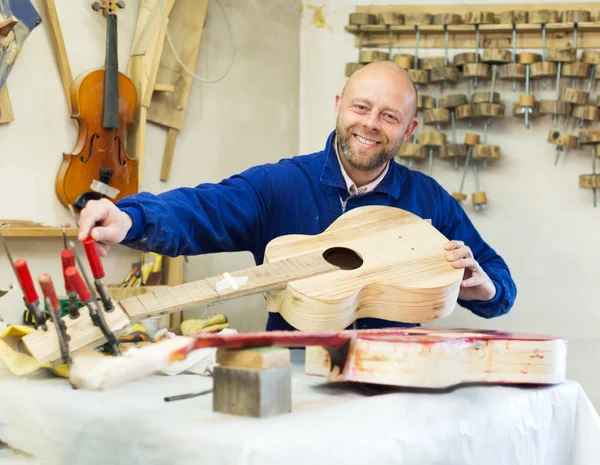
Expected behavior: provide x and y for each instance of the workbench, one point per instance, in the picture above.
(332, 424)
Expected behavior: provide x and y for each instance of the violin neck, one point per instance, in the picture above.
(110, 115)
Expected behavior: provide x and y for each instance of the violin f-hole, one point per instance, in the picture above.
(91, 148)
(122, 161)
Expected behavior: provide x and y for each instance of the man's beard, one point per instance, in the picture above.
(363, 161)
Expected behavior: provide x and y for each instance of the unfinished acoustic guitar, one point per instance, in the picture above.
(373, 261)
(409, 357)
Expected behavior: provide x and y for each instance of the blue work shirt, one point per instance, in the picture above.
(299, 195)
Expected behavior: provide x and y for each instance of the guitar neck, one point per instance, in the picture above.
(263, 278)
(110, 115)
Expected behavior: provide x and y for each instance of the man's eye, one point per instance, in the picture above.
(391, 117)
(361, 107)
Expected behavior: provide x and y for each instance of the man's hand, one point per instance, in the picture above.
(104, 222)
(476, 284)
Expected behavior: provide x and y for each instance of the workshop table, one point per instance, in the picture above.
(330, 424)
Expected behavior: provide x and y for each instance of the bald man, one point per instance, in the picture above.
(374, 115)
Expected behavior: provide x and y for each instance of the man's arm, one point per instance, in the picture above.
(454, 223)
(226, 217)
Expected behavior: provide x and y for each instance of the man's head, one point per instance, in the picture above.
(374, 114)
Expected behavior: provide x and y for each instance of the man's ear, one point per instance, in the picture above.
(338, 102)
(411, 128)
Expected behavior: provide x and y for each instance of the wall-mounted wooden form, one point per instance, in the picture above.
(496, 35)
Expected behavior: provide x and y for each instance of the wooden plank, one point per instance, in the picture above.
(62, 58)
(185, 28)
(6, 111)
(167, 161)
(37, 232)
(43, 345)
(146, 51)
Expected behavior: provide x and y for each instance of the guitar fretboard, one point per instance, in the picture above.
(266, 277)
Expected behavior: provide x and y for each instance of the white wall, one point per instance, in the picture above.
(247, 118)
(538, 219)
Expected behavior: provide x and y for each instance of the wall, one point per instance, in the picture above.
(248, 117)
(537, 219)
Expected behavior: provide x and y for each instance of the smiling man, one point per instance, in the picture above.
(374, 114)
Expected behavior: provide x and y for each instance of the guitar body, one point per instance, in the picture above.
(99, 152)
(401, 272)
(442, 358)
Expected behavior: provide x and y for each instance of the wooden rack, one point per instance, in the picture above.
(462, 36)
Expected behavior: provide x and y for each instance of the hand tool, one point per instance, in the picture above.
(61, 329)
(30, 297)
(91, 249)
(88, 298)
(68, 259)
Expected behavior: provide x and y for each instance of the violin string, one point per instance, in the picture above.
(187, 70)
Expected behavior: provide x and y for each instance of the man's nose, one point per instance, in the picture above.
(372, 122)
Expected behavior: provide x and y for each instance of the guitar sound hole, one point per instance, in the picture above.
(343, 258)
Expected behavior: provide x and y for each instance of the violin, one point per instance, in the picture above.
(103, 103)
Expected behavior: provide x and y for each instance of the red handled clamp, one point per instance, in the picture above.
(30, 296)
(91, 250)
(68, 260)
(61, 329)
(89, 300)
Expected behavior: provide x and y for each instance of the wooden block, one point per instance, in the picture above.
(543, 16)
(436, 115)
(370, 56)
(430, 63)
(484, 97)
(488, 110)
(564, 55)
(526, 100)
(589, 181)
(514, 17)
(362, 18)
(455, 151)
(542, 69)
(453, 100)
(251, 392)
(577, 69)
(419, 76)
(447, 18)
(519, 110)
(555, 107)
(591, 136)
(389, 17)
(464, 112)
(576, 16)
(480, 70)
(256, 357)
(586, 112)
(479, 199)
(562, 139)
(471, 139)
(479, 17)
(496, 56)
(422, 19)
(512, 71)
(462, 59)
(576, 96)
(486, 151)
(425, 101)
(404, 61)
(432, 139)
(591, 56)
(351, 68)
(528, 58)
(443, 74)
(412, 150)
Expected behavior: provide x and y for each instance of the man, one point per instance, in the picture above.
(305, 194)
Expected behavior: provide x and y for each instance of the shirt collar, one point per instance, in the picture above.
(352, 188)
(332, 174)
